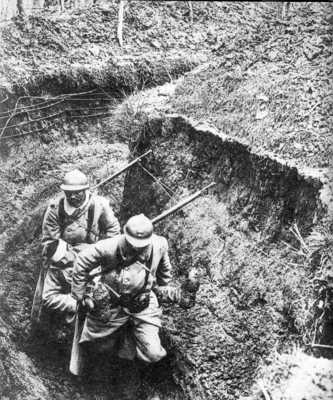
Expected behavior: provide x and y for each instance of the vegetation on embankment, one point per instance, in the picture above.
(271, 83)
(46, 45)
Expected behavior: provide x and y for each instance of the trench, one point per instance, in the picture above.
(231, 235)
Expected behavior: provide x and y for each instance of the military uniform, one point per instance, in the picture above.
(125, 292)
(92, 221)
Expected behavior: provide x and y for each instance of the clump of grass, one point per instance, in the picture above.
(293, 375)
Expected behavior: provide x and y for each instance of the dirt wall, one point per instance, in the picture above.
(248, 303)
(268, 193)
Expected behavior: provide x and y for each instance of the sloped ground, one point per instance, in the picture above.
(296, 376)
(47, 44)
(264, 103)
(271, 84)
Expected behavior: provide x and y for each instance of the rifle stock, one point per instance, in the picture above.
(181, 204)
(77, 357)
(36, 308)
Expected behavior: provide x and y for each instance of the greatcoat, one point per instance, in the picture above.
(125, 275)
(93, 221)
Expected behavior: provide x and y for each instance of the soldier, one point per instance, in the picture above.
(133, 264)
(70, 224)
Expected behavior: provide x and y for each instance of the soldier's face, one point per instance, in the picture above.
(134, 250)
(76, 198)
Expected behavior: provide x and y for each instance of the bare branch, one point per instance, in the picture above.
(264, 391)
(285, 9)
(2, 101)
(62, 5)
(35, 109)
(28, 133)
(120, 22)
(10, 117)
(324, 346)
(191, 11)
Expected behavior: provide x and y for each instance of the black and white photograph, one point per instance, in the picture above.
(166, 200)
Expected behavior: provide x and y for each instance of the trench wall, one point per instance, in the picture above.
(248, 299)
(268, 193)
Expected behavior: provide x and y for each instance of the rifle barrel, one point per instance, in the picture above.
(181, 204)
(121, 171)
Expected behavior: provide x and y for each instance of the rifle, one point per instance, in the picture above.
(36, 308)
(121, 171)
(181, 204)
(76, 364)
(37, 300)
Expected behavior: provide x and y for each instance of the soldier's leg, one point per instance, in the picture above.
(54, 293)
(127, 344)
(148, 342)
(106, 345)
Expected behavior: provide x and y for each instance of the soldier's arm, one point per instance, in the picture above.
(50, 227)
(163, 272)
(184, 295)
(53, 293)
(86, 261)
(109, 224)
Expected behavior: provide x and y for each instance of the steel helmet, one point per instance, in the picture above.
(74, 180)
(138, 231)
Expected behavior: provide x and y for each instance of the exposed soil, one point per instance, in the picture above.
(264, 288)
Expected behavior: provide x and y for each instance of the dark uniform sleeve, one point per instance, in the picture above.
(163, 272)
(108, 223)
(87, 260)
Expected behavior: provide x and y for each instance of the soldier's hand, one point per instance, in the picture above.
(159, 293)
(187, 302)
(189, 290)
(88, 303)
(192, 283)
